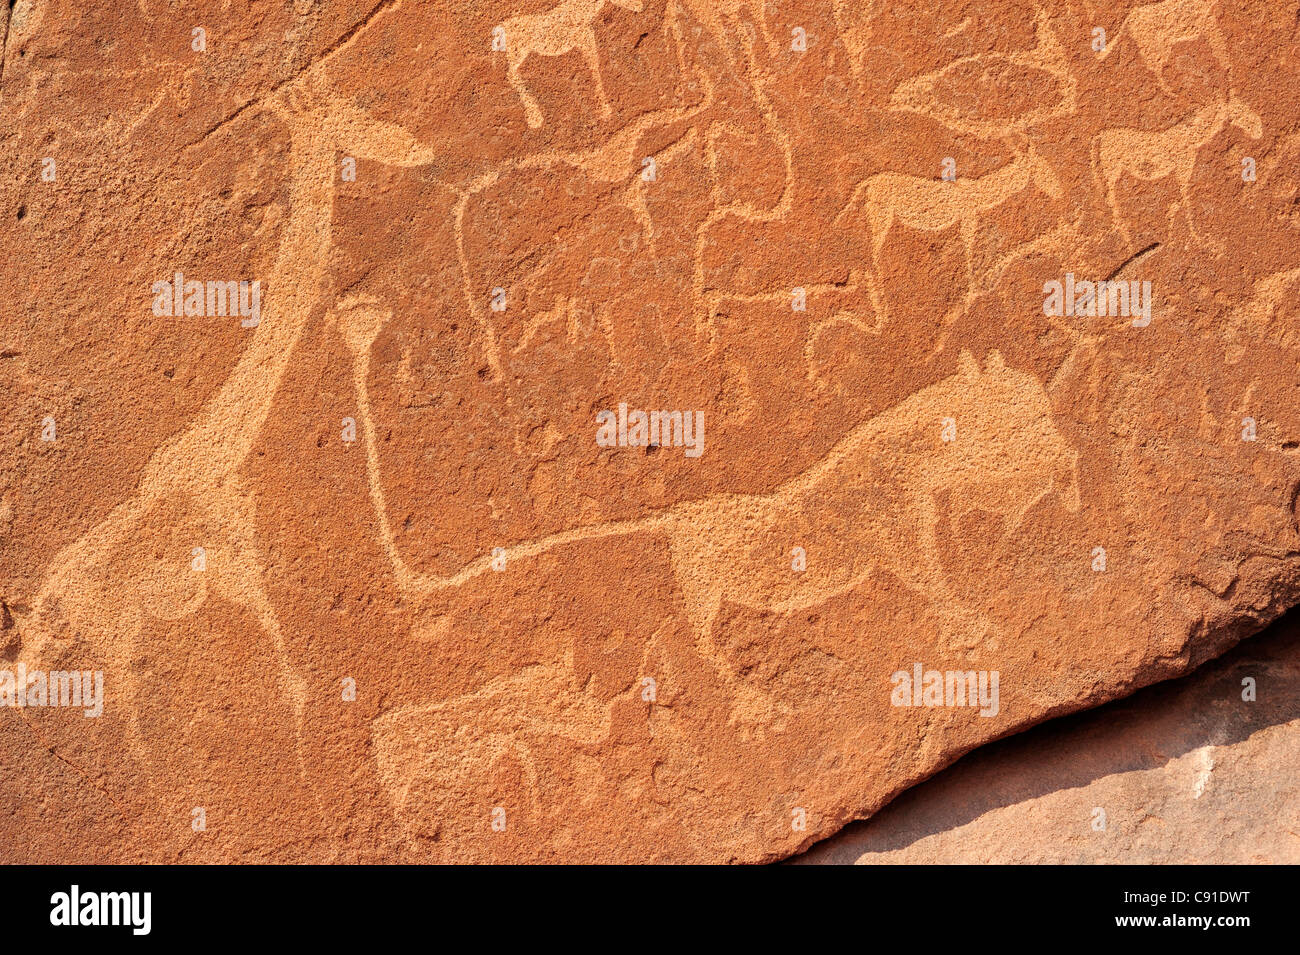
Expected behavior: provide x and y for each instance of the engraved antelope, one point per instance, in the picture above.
(565, 27)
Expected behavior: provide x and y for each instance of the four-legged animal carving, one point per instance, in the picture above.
(554, 33)
(1159, 153)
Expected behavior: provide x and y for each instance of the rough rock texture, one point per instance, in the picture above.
(1190, 771)
(389, 476)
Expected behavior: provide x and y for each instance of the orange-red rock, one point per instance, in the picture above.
(1199, 770)
(385, 471)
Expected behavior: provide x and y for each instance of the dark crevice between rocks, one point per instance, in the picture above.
(1064, 752)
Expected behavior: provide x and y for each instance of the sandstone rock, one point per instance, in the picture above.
(1190, 771)
(383, 475)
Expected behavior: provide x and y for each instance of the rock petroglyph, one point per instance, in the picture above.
(363, 576)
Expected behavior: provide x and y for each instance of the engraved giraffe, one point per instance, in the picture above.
(565, 27)
(931, 94)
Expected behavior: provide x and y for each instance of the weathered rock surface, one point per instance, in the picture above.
(389, 475)
(1189, 771)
